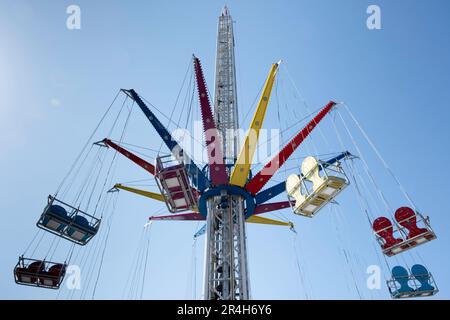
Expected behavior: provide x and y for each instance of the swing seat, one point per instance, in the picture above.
(38, 273)
(68, 222)
(412, 230)
(384, 231)
(55, 218)
(320, 197)
(81, 230)
(309, 200)
(52, 278)
(420, 283)
(28, 273)
(418, 228)
(173, 182)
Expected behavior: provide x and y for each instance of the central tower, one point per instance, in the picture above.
(226, 272)
(225, 102)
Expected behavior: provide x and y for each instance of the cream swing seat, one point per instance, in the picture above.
(310, 191)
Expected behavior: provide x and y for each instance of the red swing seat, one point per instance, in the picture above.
(39, 273)
(173, 182)
(412, 229)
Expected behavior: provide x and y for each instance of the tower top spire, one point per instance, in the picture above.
(225, 11)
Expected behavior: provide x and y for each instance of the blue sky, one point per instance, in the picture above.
(55, 84)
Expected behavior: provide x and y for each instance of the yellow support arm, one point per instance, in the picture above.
(242, 168)
(262, 220)
(148, 194)
(160, 197)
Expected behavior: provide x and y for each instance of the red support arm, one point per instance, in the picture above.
(139, 161)
(193, 216)
(263, 208)
(217, 170)
(266, 173)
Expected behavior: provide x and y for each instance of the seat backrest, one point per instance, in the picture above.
(401, 275)
(293, 188)
(57, 211)
(423, 276)
(406, 217)
(383, 227)
(57, 269)
(81, 221)
(36, 266)
(310, 171)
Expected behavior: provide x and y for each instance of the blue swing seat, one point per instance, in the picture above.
(55, 218)
(81, 230)
(68, 222)
(419, 283)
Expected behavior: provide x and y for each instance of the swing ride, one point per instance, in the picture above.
(225, 193)
(76, 226)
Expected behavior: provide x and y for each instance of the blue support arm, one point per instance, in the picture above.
(200, 232)
(332, 161)
(198, 178)
(270, 193)
(279, 188)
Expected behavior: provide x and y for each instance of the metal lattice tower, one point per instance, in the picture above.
(226, 272)
(225, 104)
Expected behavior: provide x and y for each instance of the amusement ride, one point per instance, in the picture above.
(229, 191)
